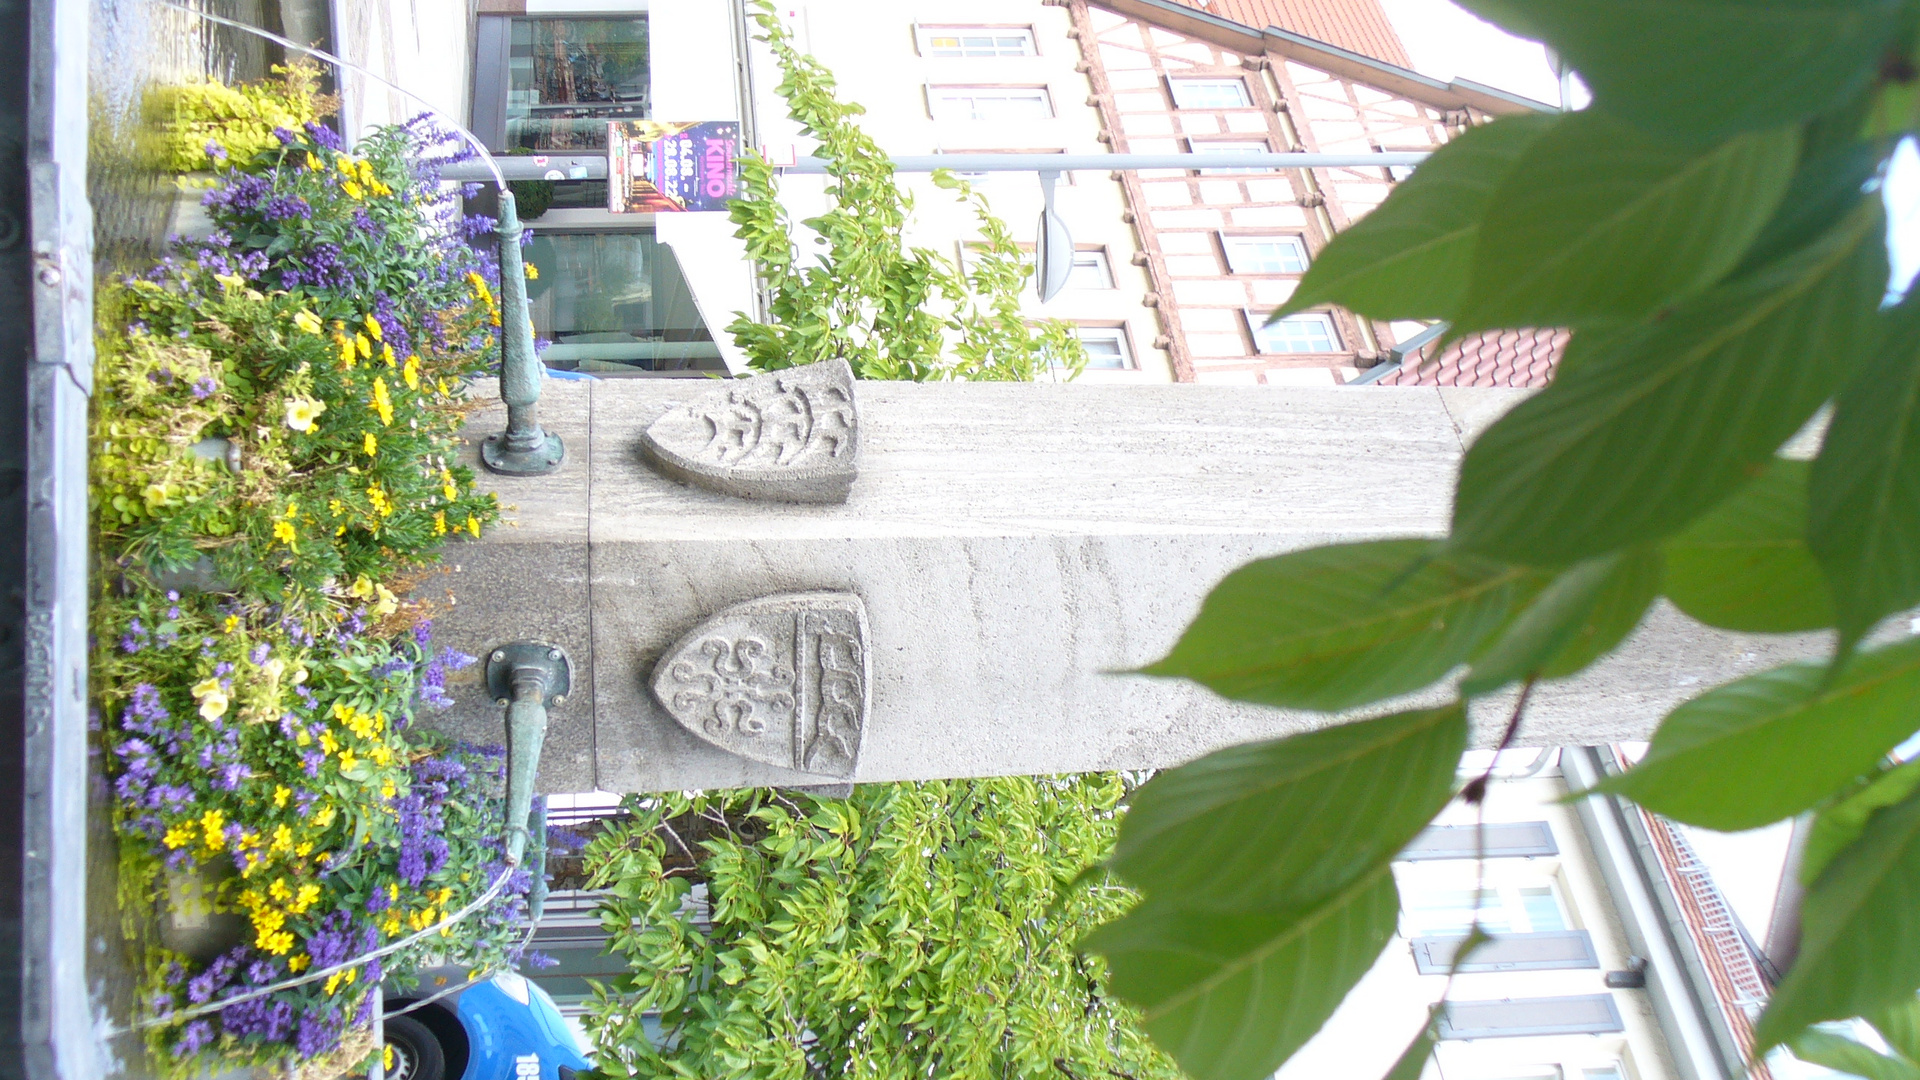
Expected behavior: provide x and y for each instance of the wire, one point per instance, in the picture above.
(480, 148)
(274, 988)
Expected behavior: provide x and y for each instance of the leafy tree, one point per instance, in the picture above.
(911, 930)
(1711, 230)
(891, 310)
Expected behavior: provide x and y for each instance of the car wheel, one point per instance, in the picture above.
(413, 1050)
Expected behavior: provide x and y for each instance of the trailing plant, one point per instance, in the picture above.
(910, 930)
(1712, 232)
(197, 125)
(274, 424)
(891, 310)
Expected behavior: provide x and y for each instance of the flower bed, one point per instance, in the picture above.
(274, 423)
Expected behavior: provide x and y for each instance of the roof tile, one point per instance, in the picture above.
(1489, 358)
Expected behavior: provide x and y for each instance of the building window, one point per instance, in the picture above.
(1090, 270)
(1587, 1014)
(1265, 254)
(552, 84)
(616, 302)
(1517, 905)
(1499, 840)
(1293, 334)
(989, 102)
(1210, 93)
(975, 41)
(1106, 347)
(1229, 148)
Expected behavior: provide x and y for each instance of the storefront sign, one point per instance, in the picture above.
(659, 166)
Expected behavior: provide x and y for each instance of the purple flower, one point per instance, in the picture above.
(286, 137)
(423, 632)
(286, 208)
(216, 151)
(259, 654)
(325, 136)
(192, 1038)
(203, 388)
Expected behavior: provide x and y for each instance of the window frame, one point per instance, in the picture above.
(1174, 82)
(1296, 240)
(1256, 321)
(1612, 1024)
(1129, 357)
(935, 95)
(490, 109)
(1256, 146)
(1096, 256)
(923, 33)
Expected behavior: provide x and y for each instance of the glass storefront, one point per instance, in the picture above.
(551, 84)
(616, 303)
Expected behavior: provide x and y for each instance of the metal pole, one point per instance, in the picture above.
(594, 166)
(525, 448)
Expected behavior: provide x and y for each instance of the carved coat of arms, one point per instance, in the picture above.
(784, 680)
(788, 436)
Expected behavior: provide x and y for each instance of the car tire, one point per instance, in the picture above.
(416, 1052)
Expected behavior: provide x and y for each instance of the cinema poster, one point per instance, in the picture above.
(659, 166)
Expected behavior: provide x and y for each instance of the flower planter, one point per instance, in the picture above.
(190, 922)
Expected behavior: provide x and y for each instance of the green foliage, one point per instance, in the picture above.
(274, 420)
(911, 930)
(1267, 882)
(201, 124)
(1712, 234)
(1744, 565)
(891, 310)
(1845, 1055)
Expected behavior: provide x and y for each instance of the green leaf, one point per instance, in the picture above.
(1232, 994)
(1860, 931)
(1597, 220)
(1583, 614)
(1774, 744)
(1408, 258)
(1413, 1061)
(1831, 182)
(1334, 627)
(1899, 1024)
(1292, 819)
(1823, 1048)
(1840, 824)
(1664, 421)
(1708, 68)
(1744, 565)
(1864, 495)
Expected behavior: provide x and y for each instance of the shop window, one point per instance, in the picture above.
(989, 102)
(551, 84)
(1265, 254)
(975, 41)
(1210, 93)
(616, 302)
(1293, 334)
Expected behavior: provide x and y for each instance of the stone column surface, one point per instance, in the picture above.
(1014, 545)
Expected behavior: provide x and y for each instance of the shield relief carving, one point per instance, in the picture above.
(785, 680)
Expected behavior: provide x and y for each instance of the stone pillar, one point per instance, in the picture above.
(1003, 549)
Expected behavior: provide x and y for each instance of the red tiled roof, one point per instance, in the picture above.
(1355, 25)
(1490, 358)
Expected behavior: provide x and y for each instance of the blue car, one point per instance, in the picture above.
(501, 1028)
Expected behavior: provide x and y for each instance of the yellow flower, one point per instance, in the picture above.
(388, 602)
(212, 699)
(387, 790)
(303, 411)
(392, 925)
(212, 824)
(381, 402)
(370, 444)
(373, 327)
(347, 760)
(393, 893)
(230, 282)
(347, 355)
(277, 943)
(300, 737)
(279, 891)
(533, 272)
(352, 189)
(179, 836)
(328, 744)
(232, 624)
(283, 532)
(447, 487)
(324, 818)
(473, 525)
(411, 373)
(361, 589)
(156, 494)
(298, 963)
(383, 756)
(282, 839)
(305, 320)
(386, 353)
(301, 850)
(440, 523)
(308, 895)
(363, 346)
(280, 794)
